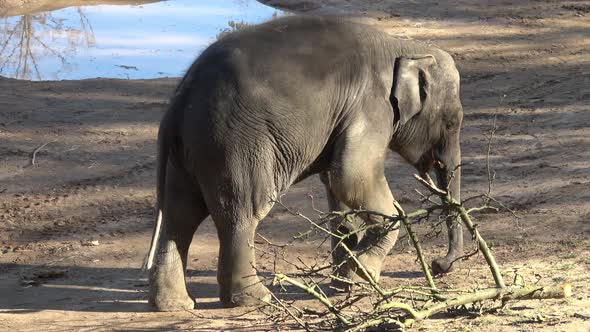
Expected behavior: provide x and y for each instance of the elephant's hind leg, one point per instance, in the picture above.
(236, 274)
(184, 210)
(342, 226)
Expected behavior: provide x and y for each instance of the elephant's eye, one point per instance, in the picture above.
(423, 84)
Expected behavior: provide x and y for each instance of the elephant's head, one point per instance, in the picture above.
(428, 115)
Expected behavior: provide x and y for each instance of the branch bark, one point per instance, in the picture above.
(505, 294)
(457, 206)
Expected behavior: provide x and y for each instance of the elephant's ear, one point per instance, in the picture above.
(411, 83)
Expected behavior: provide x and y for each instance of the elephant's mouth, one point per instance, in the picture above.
(427, 162)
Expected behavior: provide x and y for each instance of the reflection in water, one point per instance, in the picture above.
(236, 26)
(147, 41)
(25, 40)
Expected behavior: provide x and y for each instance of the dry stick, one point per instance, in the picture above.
(501, 292)
(370, 279)
(488, 168)
(392, 219)
(284, 307)
(416, 243)
(34, 154)
(313, 223)
(388, 219)
(267, 241)
(504, 294)
(376, 322)
(373, 283)
(279, 277)
(483, 247)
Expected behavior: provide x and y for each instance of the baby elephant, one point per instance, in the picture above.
(266, 107)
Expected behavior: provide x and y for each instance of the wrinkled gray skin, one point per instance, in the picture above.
(266, 107)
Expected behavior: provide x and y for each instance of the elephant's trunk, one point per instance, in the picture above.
(448, 173)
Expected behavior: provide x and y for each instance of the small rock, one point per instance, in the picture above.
(30, 283)
(90, 243)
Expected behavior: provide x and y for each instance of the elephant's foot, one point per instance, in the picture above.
(168, 290)
(341, 286)
(371, 264)
(443, 265)
(250, 292)
(172, 303)
(344, 279)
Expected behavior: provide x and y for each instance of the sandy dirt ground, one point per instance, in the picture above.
(75, 226)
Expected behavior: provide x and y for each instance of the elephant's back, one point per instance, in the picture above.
(292, 48)
(282, 78)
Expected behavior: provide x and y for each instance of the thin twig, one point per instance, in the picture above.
(488, 167)
(401, 306)
(279, 277)
(284, 307)
(416, 243)
(267, 241)
(34, 153)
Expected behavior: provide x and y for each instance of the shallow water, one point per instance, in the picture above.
(120, 41)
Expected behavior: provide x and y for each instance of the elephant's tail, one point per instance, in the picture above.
(163, 150)
(149, 260)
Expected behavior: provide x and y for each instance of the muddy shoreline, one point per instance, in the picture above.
(28, 7)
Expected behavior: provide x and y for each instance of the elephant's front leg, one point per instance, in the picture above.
(377, 242)
(236, 274)
(358, 181)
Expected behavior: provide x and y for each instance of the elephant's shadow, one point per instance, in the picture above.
(206, 294)
(33, 288)
(29, 288)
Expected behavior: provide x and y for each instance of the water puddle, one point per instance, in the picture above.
(159, 39)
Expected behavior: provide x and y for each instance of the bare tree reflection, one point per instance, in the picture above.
(26, 39)
(238, 25)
